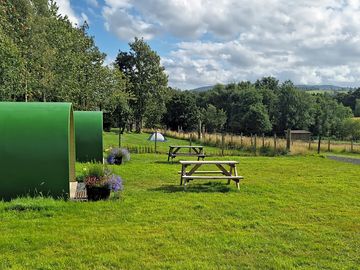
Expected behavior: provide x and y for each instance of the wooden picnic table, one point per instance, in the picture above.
(189, 168)
(193, 150)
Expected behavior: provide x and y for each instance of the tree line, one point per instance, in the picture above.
(265, 106)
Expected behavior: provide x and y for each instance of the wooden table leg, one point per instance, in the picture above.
(237, 184)
(237, 180)
(183, 170)
(231, 173)
(169, 154)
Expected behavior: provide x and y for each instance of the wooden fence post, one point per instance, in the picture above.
(352, 145)
(275, 142)
(329, 145)
(190, 140)
(199, 130)
(310, 143)
(119, 138)
(203, 132)
(255, 143)
(241, 139)
(222, 143)
(263, 140)
(288, 140)
(319, 144)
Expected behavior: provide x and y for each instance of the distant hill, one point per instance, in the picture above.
(203, 88)
(305, 87)
(324, 87)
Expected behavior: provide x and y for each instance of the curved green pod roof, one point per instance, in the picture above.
(88, 136)
(37, 151)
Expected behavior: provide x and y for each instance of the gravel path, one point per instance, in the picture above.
(355, 161)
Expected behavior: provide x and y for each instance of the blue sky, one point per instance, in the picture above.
(203, 42)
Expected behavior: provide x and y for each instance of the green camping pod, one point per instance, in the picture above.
(88, 136)
(37, 151)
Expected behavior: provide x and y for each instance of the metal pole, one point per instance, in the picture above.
(155, 141)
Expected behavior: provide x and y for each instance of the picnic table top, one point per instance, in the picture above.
(186, 146)
(189, 162)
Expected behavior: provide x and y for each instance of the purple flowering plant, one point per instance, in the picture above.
(96, 175)
(118, 155)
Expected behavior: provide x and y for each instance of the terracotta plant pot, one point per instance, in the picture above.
(97, 193)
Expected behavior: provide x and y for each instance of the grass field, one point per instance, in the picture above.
(299, 212)
(141, 140)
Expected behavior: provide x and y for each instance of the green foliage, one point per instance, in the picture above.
(94, 169)
(214, 119)
(294, 109)
(350, 129)
(45, 58)
(329, 116)
(256, 120)
(357, 108)
(267, 106)
(349, 99)
(148, 80)
(182, 112)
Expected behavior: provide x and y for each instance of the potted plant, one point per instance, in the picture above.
(100, 181)
(118, 156)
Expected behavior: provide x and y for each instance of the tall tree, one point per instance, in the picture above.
(214, 119)
(147, 77)
(182, 112)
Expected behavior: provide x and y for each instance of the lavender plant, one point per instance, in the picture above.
(96, 175)
(118, 155)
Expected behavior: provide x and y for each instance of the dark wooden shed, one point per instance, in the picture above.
(302, 135)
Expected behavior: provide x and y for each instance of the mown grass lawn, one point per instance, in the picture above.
(291, 213)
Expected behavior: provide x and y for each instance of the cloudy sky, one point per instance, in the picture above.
(203, 42)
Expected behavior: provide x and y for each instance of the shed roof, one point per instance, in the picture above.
(300, 131)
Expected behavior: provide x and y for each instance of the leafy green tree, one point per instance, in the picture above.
(256, 120)
(247, 107)
(11, 67)
(329, 116)
(350, 129)
(357, 108)
(294, 109)
(214, 119)
(147, 77)
(349, 99)
(269, 83)
(182, 112)
(45, 58)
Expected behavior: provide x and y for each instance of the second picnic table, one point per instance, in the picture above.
(193, 150)
(193, 166)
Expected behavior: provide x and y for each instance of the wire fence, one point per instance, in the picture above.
(255, 144)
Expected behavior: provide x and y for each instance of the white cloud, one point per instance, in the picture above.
(126, 25)
(65, 9)
(93, 3)
(230, 40)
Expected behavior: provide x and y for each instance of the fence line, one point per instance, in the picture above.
(231, 144)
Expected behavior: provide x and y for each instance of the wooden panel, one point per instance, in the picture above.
(188, 162)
